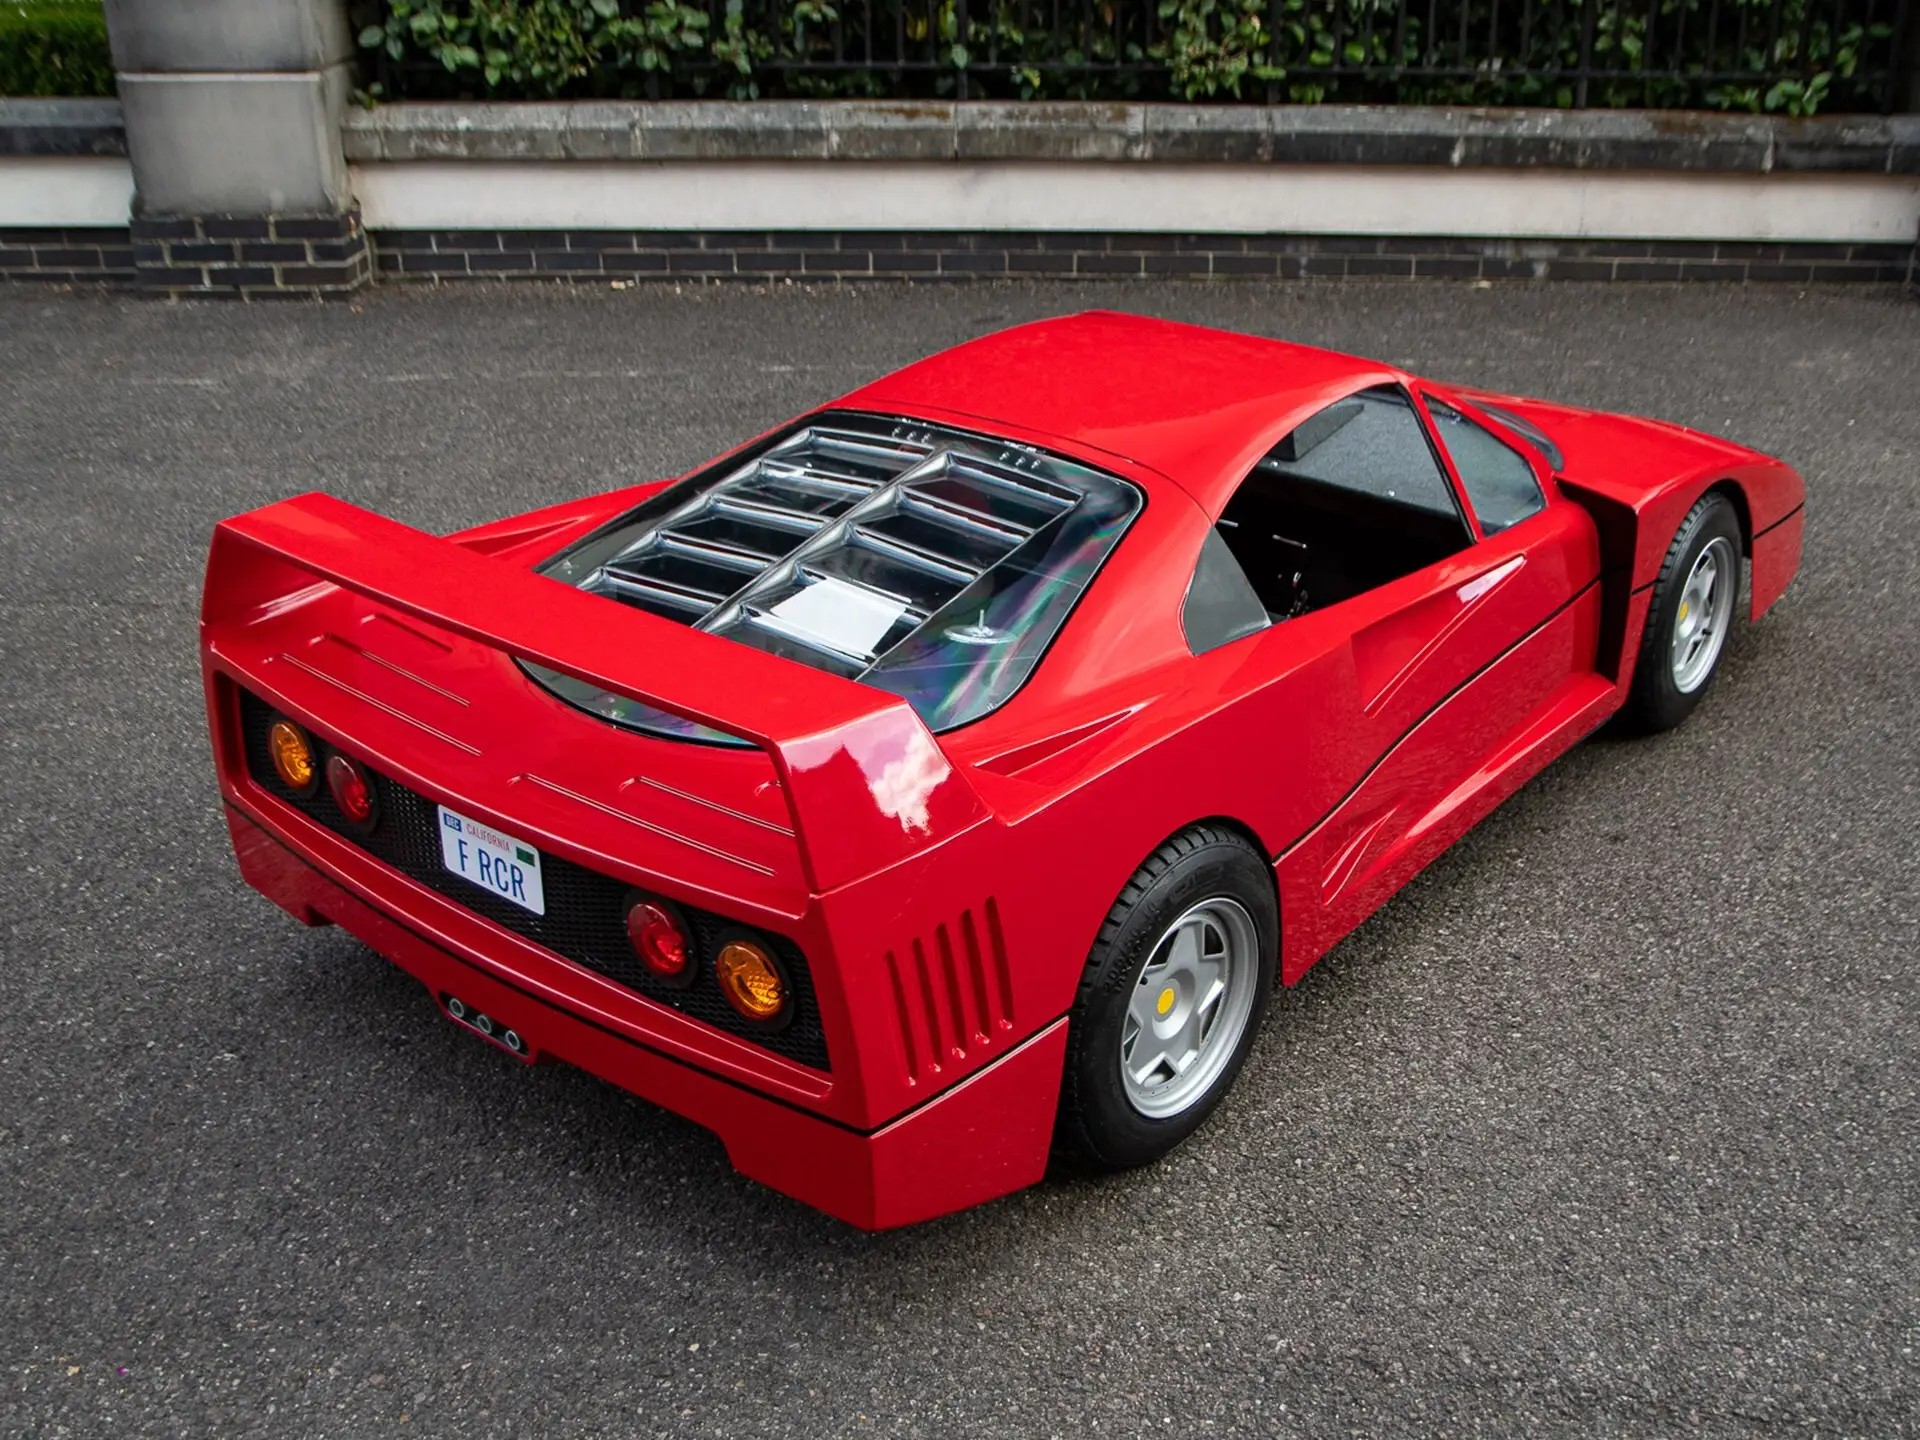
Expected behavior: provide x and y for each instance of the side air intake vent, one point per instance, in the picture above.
(953, 992)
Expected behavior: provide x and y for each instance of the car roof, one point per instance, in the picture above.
(1195, 405)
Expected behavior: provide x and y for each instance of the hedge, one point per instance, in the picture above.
(54, 47)
(1792, 56)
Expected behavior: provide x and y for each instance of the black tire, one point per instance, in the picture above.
(1656, 702)
(1098, 1125)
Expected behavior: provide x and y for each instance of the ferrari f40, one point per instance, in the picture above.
(940, 783)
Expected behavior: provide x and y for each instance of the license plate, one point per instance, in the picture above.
(493, 860)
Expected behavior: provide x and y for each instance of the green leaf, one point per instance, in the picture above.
(1809, 60)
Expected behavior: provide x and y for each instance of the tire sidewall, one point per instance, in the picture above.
(1661, 703)
(1112, 1132)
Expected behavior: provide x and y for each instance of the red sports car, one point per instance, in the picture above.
(942, 781)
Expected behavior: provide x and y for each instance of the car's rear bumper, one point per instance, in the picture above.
(983, 1138)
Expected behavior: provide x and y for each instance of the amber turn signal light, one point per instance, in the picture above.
(659, 939)
(750, 978)
(292, 755)
(350, 789)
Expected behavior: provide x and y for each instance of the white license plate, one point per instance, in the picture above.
(494, 861)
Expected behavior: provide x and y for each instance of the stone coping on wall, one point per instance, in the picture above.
(32, 127)
(1657, 140)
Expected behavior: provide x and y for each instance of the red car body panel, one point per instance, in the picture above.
(1195, 406)
(946, 891)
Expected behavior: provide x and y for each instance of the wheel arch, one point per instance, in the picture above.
(1634, 533)
(1245, 831)
(1736, 494)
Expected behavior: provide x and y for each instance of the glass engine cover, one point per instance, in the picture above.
(922, 560)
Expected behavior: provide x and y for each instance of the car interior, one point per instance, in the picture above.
(1351, 499)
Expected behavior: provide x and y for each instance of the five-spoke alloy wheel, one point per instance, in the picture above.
(1706, 610)
(1689, 618)
(1189, 1007)
(1170, 1000)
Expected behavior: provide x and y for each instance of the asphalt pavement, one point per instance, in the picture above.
(1608, 1125)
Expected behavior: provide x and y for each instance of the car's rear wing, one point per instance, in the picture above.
(865, 781)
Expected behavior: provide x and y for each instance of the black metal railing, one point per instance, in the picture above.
(1780, 56)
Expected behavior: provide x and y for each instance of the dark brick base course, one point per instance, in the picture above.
(252, 257)
(70, 256)
(607, 255)
(295, 256)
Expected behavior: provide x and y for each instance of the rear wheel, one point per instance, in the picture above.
(1693, 611)
(1171, 1000)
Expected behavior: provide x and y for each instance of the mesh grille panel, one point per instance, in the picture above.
(585, 919)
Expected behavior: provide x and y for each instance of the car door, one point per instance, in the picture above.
(1454, 630)
(1432, 681)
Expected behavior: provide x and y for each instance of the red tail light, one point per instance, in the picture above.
(351, 791)
(660, 940)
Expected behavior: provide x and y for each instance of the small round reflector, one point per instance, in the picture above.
(658, 938)
(751, 980)
(292, 756)
(351, 792)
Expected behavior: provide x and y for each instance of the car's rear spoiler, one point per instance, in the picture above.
(865, 781)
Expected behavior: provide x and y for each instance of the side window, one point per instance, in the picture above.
(1351, 499)
(1370, 444)
(1221, 604)
(1498, 480)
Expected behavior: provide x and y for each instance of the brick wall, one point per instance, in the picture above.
(73, 255)
(298, 255)
(252, 257)
(914, 255)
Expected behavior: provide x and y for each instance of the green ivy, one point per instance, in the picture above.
(54, 47)
(1301, 51)
(540, 49)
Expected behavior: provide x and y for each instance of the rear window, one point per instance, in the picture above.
(929, 562)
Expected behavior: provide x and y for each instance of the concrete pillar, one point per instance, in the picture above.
(233, 112)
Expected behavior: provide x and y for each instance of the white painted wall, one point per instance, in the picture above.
(65, 190)
(1311, 199)
(843, 195)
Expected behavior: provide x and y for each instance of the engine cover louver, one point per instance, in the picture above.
(917, 558)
